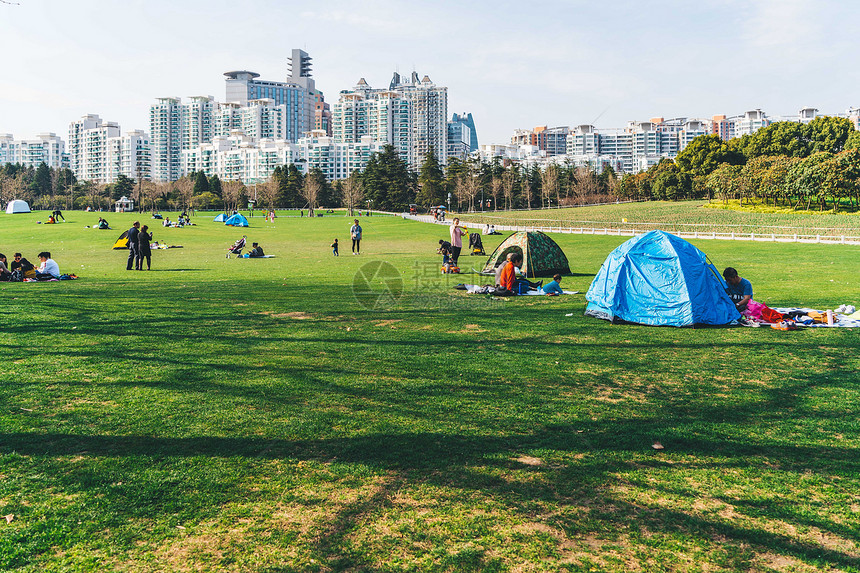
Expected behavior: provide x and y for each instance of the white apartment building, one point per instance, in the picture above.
(46, 148)
(129, 155)
(99, 152)
(751, 122)
(640, 145)
(178, 126)
(411, 116)
(237, 158)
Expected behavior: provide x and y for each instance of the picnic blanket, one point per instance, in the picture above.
(841, 320)
(478, 289)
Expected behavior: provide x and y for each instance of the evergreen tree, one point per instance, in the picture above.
(215, 186)
(201, 183)
(41, 184)
(387, 181)
(431, 182)
(290, 183)
(123, 187)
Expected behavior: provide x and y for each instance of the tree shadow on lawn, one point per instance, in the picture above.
(455, 461)
(607, 451)
(460, 462)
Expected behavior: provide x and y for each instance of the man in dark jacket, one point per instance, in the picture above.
(132, 245)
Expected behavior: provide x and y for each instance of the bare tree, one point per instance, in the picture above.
(6, 183)
(508, 187)
(185, 187)
(150, 193)
(232, 192)
(496, 186)
(311, 192)
(585, 184)
(353, 192)
(471, 187)
(268, 192)
(549, 184)
(527, 189)
(613, 186)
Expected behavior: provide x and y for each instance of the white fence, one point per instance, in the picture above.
(632, 232)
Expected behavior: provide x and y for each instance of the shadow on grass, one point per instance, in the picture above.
(225, 355)
(450, 462)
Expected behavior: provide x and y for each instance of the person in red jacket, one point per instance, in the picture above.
(508, 278)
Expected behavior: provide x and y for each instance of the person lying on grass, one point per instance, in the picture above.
(553, 287)
(739, 289)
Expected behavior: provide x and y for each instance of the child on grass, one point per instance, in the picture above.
(334, 248)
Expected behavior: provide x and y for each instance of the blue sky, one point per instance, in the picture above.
(512, 64)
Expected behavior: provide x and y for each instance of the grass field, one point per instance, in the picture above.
(219, 414)
(680, 216)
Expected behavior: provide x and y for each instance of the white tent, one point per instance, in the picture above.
(17, 206)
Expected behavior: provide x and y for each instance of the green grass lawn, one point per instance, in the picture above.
(219, 414)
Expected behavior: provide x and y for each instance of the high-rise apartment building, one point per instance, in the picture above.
(237, 158)
(639, 146)
(257, 109)
(99, 152)
(165, 138)
(46, 148)
(410, 115)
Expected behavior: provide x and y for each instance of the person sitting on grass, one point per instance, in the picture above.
(739, 289)
(103, 224)
(5, 273)
(49, 269)
(256, 251)
(508, 276)
(23, 265)
(553, 287)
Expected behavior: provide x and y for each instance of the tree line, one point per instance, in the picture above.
(386, 183)
(786, 163)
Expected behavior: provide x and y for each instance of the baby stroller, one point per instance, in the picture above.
(237, 247)
(476, 244)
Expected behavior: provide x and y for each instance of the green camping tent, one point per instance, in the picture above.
(542, 257)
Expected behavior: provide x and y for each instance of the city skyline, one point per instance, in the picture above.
(512, 68)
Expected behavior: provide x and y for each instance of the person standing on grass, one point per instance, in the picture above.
(132, 237)
(334, 248)
(144, 251)
(739, 289)
(355, 233)
(457, 234)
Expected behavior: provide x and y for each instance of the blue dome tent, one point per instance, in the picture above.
(659, 279)
(237, 220)
(220, 218)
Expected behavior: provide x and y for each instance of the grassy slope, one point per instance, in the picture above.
(679, 216)
(253, 415)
